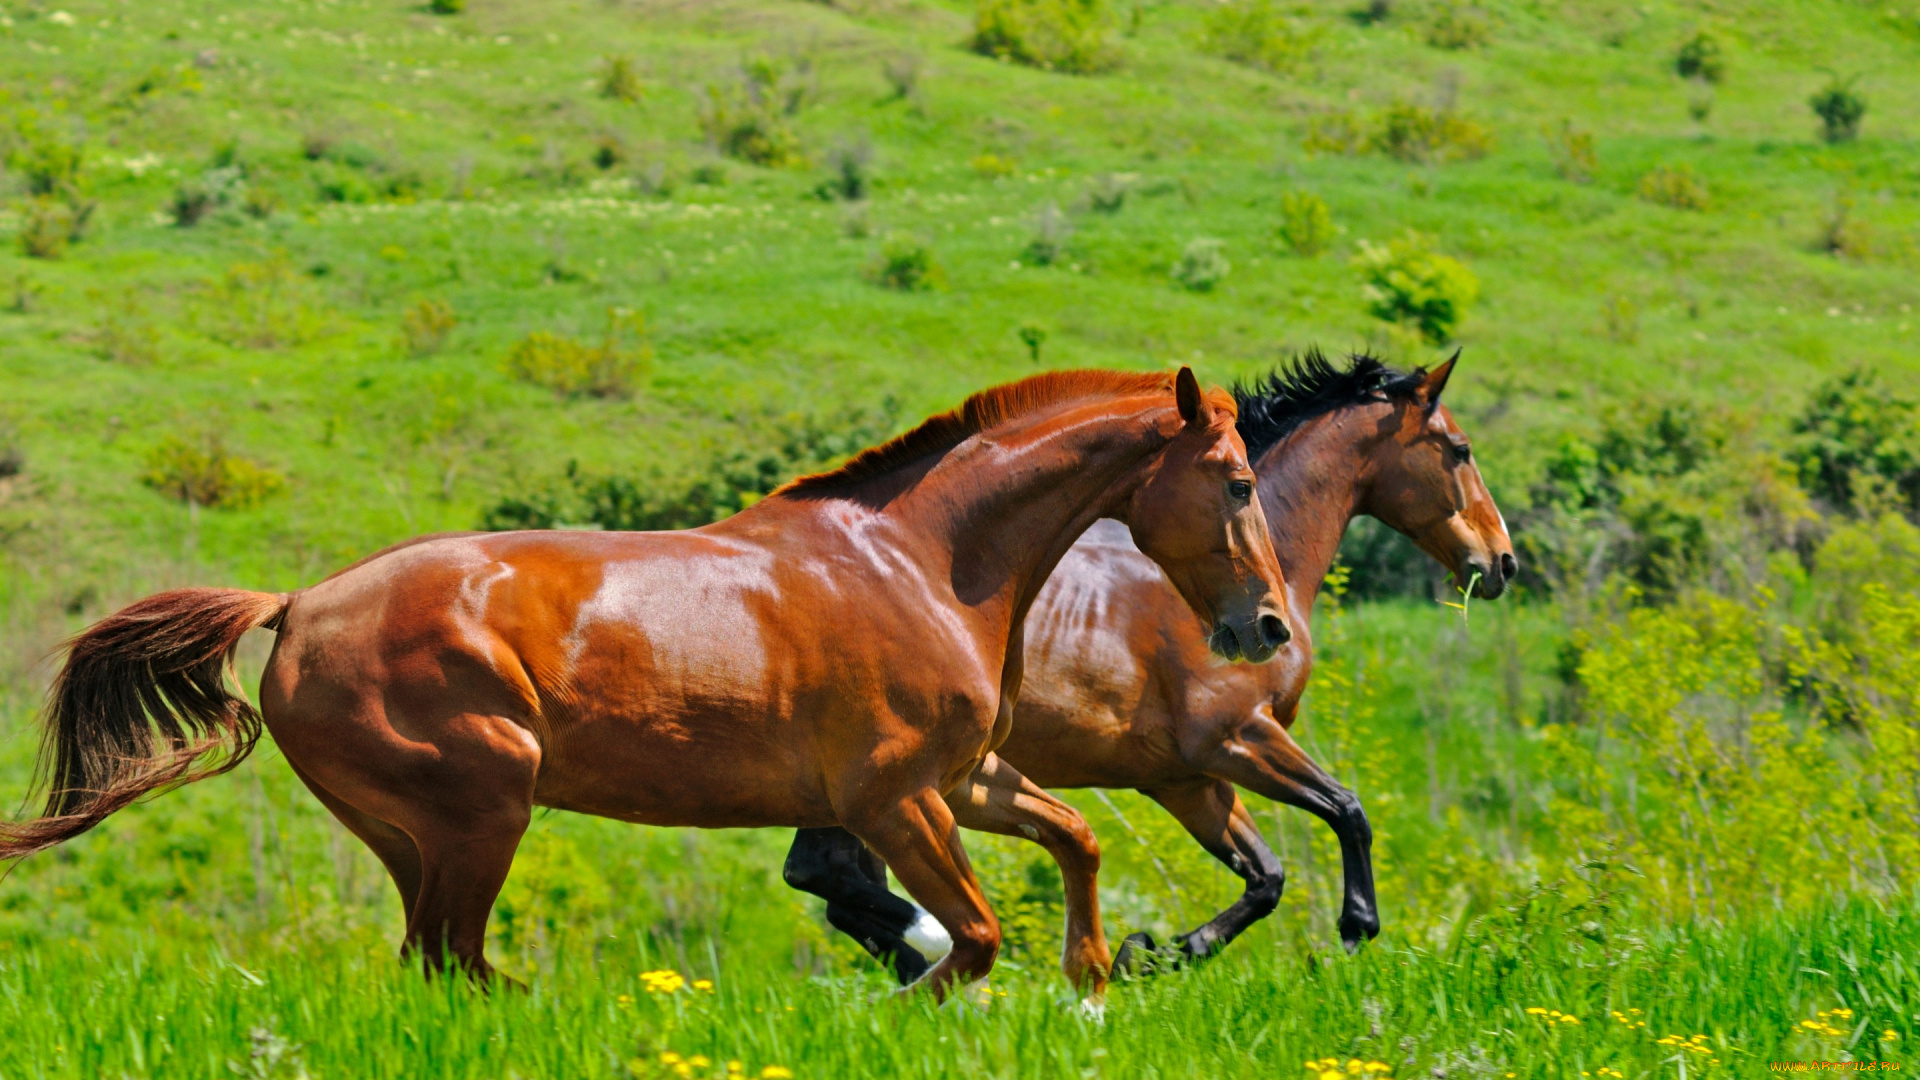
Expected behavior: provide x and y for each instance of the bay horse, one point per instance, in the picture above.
(844, 652)
(1121, 693)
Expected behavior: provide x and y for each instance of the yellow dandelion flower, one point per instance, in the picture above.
(699, 1061)
(703, 984)
(1537, 1011)
(683, 1069)
(668, 1057)
(1333, 1074)
(1378, 1066)
(1889, 1035)
(776, 1072)
(735, 1066)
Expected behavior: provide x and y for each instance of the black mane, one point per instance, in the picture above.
(1310, 385)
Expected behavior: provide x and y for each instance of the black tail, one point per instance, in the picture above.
(144, 703)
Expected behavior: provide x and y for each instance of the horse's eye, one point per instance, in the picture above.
(1240, 489)
(1463, 453)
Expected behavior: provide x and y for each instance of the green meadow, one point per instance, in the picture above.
(284, 283)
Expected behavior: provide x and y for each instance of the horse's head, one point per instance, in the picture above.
(1196, 516)
(1427, 485)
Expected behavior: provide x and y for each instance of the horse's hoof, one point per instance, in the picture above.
(1138, 955)
(1094, 1009)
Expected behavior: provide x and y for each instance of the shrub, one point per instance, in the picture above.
(573, 368)
(264, 305)
(746, 124)
(1306, 223)
(1842, 235)
(51, 165)
(259, 202)
(1202, 265)
(1409, 283)
(993, 166)
(1840, 109)
(195, 199)
(786, 447)
(1256, 33)
(446, 7)
(1700, 101)
(903, 72)
(1668, 494)
(1109, 193)
(1413, 132)
(848, 164)
(1457, 25)
(620, 80)
(1051, 231)
(123, 336)
(1623, 319)
(905, 262)
(315, 145)
(199, 471)
(46, 228)
(1857, 444)
(1574, 157)
(1069, 36)
(425, 326)
(1674, 186)
(1033, 335)
(1700, 58)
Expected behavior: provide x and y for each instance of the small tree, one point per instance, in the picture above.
(1408, 282)
(1700, 58)
(1306, 223)
(1839, 108)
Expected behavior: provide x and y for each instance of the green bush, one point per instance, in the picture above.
(1403, 130)
(905, 262)
(1675, 186)
(200, 471)
(446, 7)
(1574, 157)
(788, 446)
(1069, 36)
(425, 326)
(746, 126)
(46, 227)
(620, 80)
(1700, 58)
(1857, 444)
(1409, 283)
(849, 166)
(1256, 33)
(573, 368)
(1669, 494)
(1840, 109)
(1306, 223)
(1454, 24)
(1051, 232)
(1202, 266)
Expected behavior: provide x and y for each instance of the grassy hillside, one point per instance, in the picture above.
(1673, 789)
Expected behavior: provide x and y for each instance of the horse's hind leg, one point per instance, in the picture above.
(997, 799)
(394, 848)
(833, 864)
(1212, 812)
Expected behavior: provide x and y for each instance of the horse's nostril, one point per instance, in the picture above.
(1273, 631)
(1509, 566)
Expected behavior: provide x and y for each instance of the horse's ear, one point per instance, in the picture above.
(1437, 381)
(1194, 408)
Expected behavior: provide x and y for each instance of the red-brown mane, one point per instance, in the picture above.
(991, 408)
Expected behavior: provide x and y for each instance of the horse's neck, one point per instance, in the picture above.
(1008, 510)
(1310, 488)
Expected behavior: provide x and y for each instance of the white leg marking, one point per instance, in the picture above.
(928, 936)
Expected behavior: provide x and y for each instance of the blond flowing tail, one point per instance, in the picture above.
(144, 703)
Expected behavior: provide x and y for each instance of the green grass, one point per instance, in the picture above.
(154, 947)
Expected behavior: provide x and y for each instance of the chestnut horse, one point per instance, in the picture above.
(1120, 691)
(846, 652)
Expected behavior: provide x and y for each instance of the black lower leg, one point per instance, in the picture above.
(833, 864)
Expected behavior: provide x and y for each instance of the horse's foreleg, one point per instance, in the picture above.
(997, 799)
(918, 840)
(1264, 759)
(1212, 813)
(833, 864)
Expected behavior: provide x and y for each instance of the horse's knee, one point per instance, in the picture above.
(975, 947)
(1070, 837)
